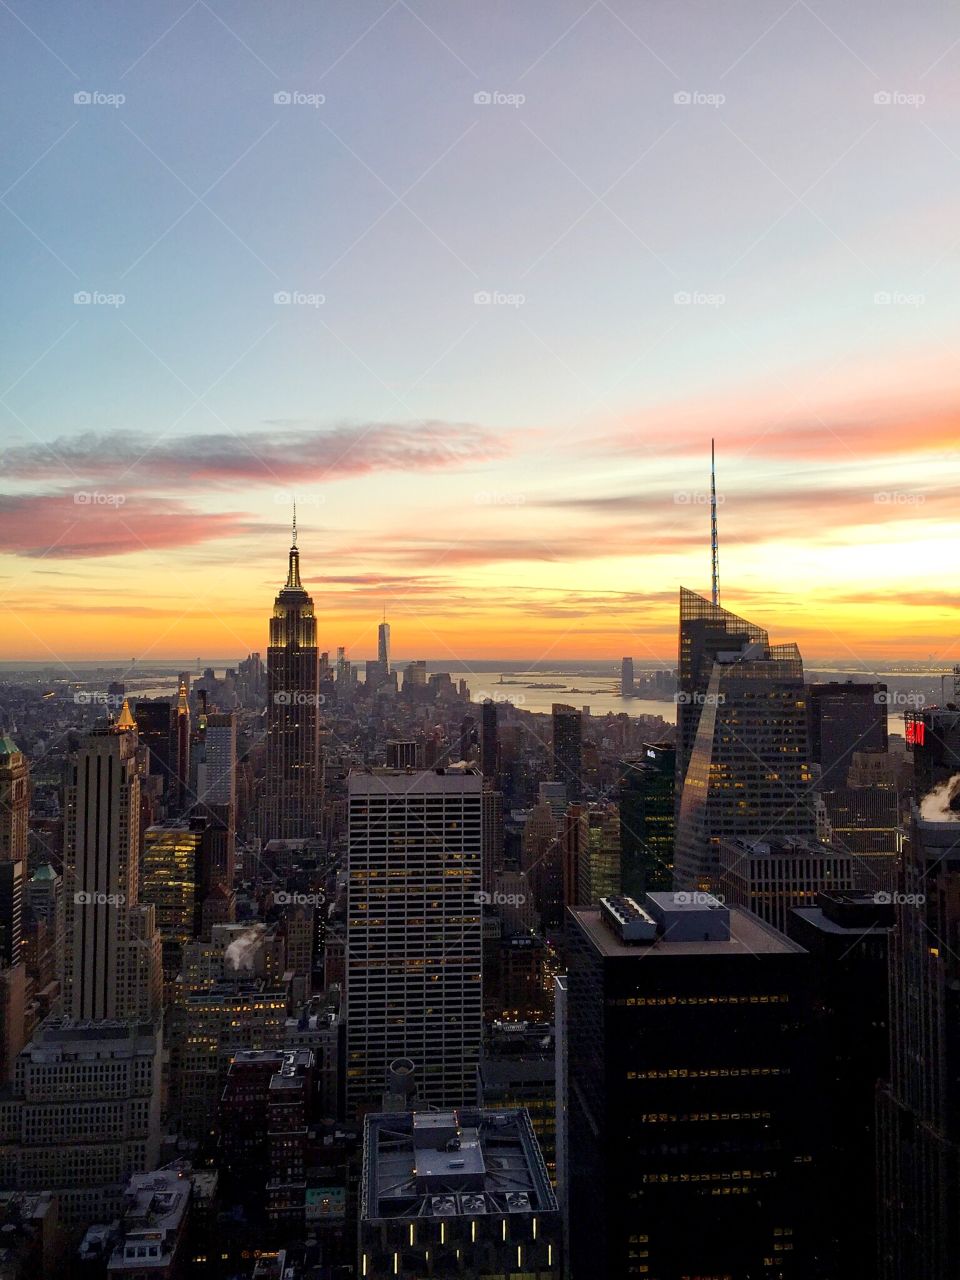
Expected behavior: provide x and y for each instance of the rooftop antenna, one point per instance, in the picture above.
(714, 551)
(294, 522)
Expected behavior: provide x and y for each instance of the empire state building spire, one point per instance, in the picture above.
(293, 572)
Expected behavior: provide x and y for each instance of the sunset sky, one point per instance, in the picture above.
(690, 220)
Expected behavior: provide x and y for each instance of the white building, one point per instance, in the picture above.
(414, 951)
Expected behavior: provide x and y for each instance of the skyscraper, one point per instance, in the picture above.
(383, 647)
(568, 749)
(112, 954)
(919, 1110)
(489, 739)
(292, 802)
(747, 774)
(685, 1140)
(844, 717)
(14, 801)
(183, 793)
(14, 813)
(157, 731)
(626, 678)
(705, 630)
(647, 819)
(414, 954)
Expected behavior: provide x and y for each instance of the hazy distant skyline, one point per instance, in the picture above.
(505, 477)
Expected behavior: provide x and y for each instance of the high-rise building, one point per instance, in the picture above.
(414, 956)
(771, 877)
(747, 775)
(568, 749)
(598, 866)
(933, 741)
(626, 678)
(112, 954)
(685, 1132)
(184, 794)
(493, 836)
(217, 767)
(14, 801)
(489, 741)
(157, 731)
(647, 819)
(83, 1114)
(847, 936)
(705, 630)
(292, 797)
(919, 1110)
(383, 646)
(844, 717)
(467, 738)
(171, 871)
(415, 675)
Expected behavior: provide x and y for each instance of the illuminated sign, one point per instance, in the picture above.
(915, 732)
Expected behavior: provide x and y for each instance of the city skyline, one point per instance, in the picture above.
(738, 229)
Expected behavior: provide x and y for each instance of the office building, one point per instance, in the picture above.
(747, 774)
(598, 865)
(383, 647)
(933, 743)
(171, 876)
(919, 1109)
(847, 936)
(153, 1226)
(404, 754)
(626, 678)
(83, 1114)
(112, 952)
(292, 802)
(568, 749)
(157, 730)
(264, 1113)
(413, 962)
(461, 1192)
(844, 717)
(489, 740)
(217, 767)
(647, 819)
(14, 801)
(771, 877)
(686, 1109)
(706, 630)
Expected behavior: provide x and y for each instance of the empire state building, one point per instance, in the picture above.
(291, 800)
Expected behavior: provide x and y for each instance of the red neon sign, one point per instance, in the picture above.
(915, 731)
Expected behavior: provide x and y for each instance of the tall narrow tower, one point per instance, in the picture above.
(183, 749)
(291, 801)
(714, 547)
(113, 952)
(383, 646)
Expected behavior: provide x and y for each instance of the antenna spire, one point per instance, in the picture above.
(714, 548)
(294, 522)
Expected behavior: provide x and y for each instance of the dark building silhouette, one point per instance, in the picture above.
(568, 749)
(156, 726)
(688, 1145)
(647, 820)
(919, 1109)
(843, 717)
(489, 740)
(847, 936)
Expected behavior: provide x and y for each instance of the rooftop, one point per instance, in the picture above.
(451, 1163)
(748, 936)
